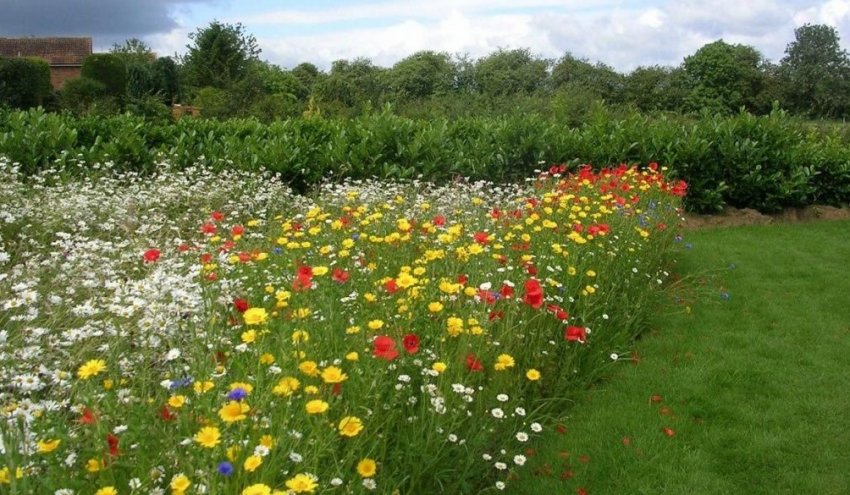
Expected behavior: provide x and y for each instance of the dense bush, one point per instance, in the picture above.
(24, 82)
(766, 163)
(107, 69)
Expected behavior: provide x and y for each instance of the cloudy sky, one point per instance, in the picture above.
(624, 33)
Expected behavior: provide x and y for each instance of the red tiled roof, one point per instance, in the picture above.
(57, 51)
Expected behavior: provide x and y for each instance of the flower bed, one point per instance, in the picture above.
(204, 332)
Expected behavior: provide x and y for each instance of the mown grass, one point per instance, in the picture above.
(751, 381)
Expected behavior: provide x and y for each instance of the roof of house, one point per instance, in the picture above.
(57, 51)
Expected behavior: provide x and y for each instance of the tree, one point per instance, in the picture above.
(307, 74)
(353, 83)
(655, 88)
(724, 77)
(166, 79)
(24, 82)
(133, 50)
(510, 72)
(815, 72)
(219, 55)
(599, 79)
(109, 70)
(422, 75)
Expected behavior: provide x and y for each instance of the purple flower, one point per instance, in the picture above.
(237, 394)
(225, 468)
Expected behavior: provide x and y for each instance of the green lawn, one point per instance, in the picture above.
(753, 382)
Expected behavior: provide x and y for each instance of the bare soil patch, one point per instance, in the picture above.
(733, 216)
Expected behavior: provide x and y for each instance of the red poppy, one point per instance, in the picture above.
(576, 334)
(531, 269)
(391, 286)
(88, 417)
(384, 348)
(462, 279)
(337, 389)
(183, 247)
(205, 258)
(339, 275)
(151, 255)
(237, 230)
(244, 257)
(495, 315)
(473, 363)
(533, 294)
(439, 220)
(240, 304)
(495, 213)
(166, 414)
(481, 237)
(410, 343)
(112, 441)
(506, 291)
(217, 216)
(305, 271)
(557, 311)
(487, 296)
(208, 228)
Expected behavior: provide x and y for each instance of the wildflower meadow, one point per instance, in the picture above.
(212, 331)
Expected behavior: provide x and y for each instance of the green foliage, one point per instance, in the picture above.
(79, 94)
(133, 51)
(723, 77)
(508, 72)
(24, 82)
(109, 70)
(140, 81)
(422, 75)
(601, 80)
(166, 79)
(655, 88)
(767, 163)
(815, 72)
(219, 55)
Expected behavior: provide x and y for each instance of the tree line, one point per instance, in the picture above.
(222, 73)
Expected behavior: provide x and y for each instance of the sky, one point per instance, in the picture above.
(623, 34)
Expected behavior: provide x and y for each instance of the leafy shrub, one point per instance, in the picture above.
(109, 70)
(24, 82)
(79, 94)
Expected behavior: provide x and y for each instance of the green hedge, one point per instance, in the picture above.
(24, 82)
(766, 163)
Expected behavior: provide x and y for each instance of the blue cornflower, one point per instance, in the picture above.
(237, 394)
(225, 468)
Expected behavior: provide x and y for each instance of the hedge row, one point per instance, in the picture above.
(766, 163)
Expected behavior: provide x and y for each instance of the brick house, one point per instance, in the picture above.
(64, 55)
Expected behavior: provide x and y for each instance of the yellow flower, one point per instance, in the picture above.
(258, 489)
(352, 356)
(267, 441)
(252, 463)
(233, 411)
(302, 483)
(91, 368)
(249, 336)
(47, 446)
(108, 384)
(350, 426)
(208, 437)
(201, 387)
(300, 336)
(503, 362)
(5, 477)
(232, 452)
(180, 484)
(332, 374)
(107, 490)
(435, 307)
(352, 330)
(255, 316)
(320, 270)
(439, 366)
(177, 401)
(286, 386)
(311, 390)
(309, 368)
(93, 465)
(532, 374)
(375, 325)
(316, 406)
(367, 468)
(267, 359)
